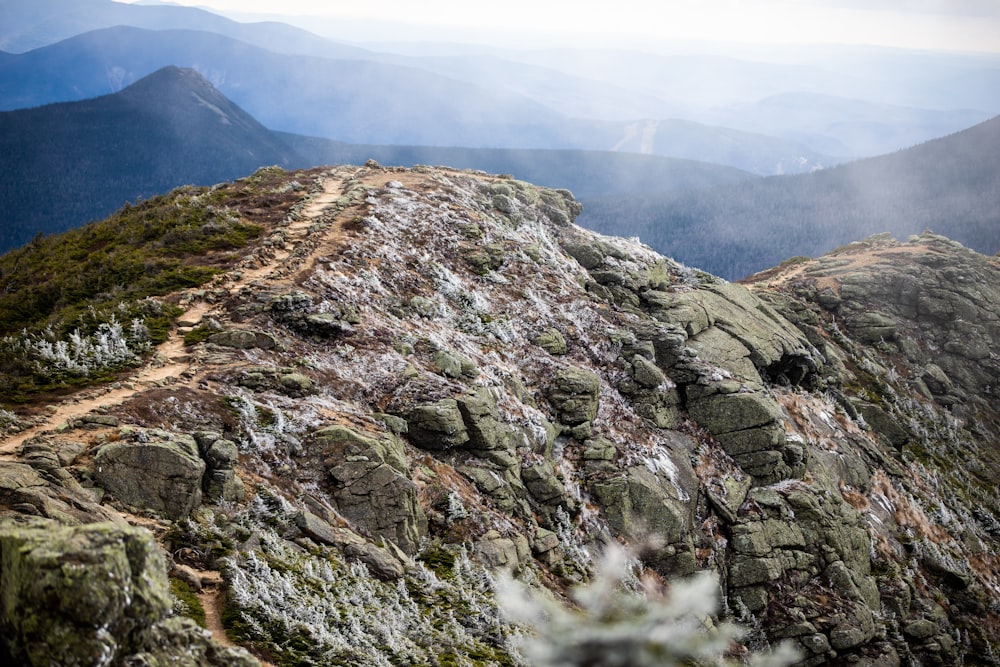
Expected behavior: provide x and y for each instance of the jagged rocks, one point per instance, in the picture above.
(453, 366)
(574, 395)
(655, 501)
(500, 552)
(653, 395)
(283, 380)
(381, 561)
(48, 492)
(489, 435)
(180, 642)
(748, 425)
(544, 485)
(819, 542)
(93, 595)
(220, 481)
(370, 487)
(158, 471)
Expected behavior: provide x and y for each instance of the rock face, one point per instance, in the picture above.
(371, 484)
(92, 595)
(446, 376)
(159, 471)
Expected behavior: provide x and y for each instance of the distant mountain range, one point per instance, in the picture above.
(949, 185)
(31, 25)
(64, 164)
(760, 114)
(371, 102)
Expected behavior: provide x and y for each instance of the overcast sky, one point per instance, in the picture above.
(960, 25)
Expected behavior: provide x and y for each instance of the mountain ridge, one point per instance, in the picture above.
(950, 185)
(36, 151)
(412, 378)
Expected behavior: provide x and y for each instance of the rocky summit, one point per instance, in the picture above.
(416, 379)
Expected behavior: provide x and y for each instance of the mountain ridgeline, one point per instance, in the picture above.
(65, 164)
(949, 185)
(403, 383)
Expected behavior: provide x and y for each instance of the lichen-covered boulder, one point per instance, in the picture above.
(380, 561)
(488, 433)
(163, 474)
(552, 341)
(574, 395)
(180, 642)
(90, 595)
(654, 501)
(77, 595)
(748, 425)
(437, 425)
(801, 533)
(339, 442)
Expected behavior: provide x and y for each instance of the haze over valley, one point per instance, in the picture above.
(740, 110)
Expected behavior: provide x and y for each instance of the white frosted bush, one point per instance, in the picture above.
(108, 347)
(613, 626)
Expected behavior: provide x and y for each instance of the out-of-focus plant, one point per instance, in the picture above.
(614, 624)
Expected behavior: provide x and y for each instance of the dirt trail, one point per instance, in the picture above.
(170, 360)
(171, 363)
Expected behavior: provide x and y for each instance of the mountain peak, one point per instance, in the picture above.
(175, 91)
(169, 128)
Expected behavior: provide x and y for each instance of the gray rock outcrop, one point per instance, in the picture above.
(157, 471)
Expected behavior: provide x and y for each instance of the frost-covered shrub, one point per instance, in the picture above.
(111, 346)
(315, 608)
(615, 626)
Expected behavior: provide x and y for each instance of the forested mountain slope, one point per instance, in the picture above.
(62, 165)
(950, 185)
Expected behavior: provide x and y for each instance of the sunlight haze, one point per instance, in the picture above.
(968, 25)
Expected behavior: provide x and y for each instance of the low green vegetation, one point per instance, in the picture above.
(79, 306)
(186, 602)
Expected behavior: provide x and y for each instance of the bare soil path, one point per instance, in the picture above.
(170, 360)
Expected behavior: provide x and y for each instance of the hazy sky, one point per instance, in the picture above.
(928, 24)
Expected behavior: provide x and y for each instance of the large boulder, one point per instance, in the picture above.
(371, 486)
(93, 595)
(374, 495)
(748, 426)
(45, 489)
(437, 425)
(487, 430)
(163, 474)
(221, 456)
(574, 395)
